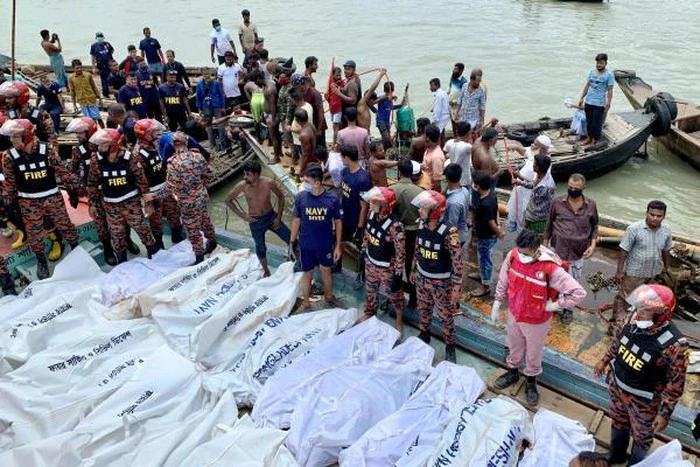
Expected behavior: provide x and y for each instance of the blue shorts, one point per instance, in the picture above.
(156, 67)
(91, 111)
(309, 259)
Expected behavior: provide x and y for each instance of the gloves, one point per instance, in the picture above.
(552, 306)
(73, 198)
(359, 237)
(293, 251)
(495, 310)
(396, 282)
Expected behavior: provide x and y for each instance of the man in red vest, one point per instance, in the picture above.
(537, 285)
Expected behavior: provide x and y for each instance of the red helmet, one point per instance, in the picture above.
(16, 89)
(18, 127)
(148, 129)
(656, 298)
(434, 202)
(82, 125)
(383, 197)
(106, 136)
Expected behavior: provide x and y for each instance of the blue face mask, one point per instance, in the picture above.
(100, 40)
(217, 28)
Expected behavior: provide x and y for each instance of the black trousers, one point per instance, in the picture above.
(410, 250)
(594, 120)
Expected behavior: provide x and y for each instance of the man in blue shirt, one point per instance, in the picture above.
(316, 231)
(597, 96)
(210, 102)
(174, 104)
(166, 148)
(148, 86)
(50, 91)
(356, 181)
(150, 48)
(101, 53)
(457, 202)
(130, 96)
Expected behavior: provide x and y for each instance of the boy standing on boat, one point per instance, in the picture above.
(83, 91)
(596, 97)
(537, 285)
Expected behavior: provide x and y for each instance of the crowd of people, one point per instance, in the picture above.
(412, 235)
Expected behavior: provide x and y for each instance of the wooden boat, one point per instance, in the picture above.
(623, 133)
(684, 137)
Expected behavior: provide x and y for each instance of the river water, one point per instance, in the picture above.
(534, 53)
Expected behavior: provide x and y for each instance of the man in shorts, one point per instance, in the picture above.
(83, 91)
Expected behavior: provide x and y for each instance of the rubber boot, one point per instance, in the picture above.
(132, 247)
(56, 246)
(638, 454)
(120, 256)
(176, 235)
(424, 336)
(211, 246)
(508, 378)
(152, 250)
(159, 242)
(450, 353)
(198, 259)
(108, 253)
(619, 440)
(21, 241)
(8, 285)
(42, 266)
(531, 395)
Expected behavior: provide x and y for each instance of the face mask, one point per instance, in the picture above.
(100, 40)
(306, 186)
(218, 28)
(574, 193)
(527, 259)
(644, 324)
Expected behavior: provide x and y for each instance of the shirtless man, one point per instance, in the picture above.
(482, 159)
(255, 92)
(261, 217)
(352, 91)
(378, 163)
(51, 44)
(307, 139)
(364, 117)
(418, 143)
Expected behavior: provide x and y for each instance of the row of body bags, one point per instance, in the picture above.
(156, 380)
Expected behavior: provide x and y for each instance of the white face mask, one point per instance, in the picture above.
(527, 259)
(306, 186)
(644, 324)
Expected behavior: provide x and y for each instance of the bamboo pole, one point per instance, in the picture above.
(14, 21)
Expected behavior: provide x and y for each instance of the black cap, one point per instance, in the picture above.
(245, 13)
(172, 73)
(229, 53)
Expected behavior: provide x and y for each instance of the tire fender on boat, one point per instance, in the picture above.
(661, 125)
(670, 102)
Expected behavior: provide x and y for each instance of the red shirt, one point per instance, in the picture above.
(335, 103)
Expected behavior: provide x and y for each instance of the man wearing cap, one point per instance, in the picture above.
(247, 32)
(173, 102)
(230, 74)
(220, 41)
(353, 89)
(101, 52)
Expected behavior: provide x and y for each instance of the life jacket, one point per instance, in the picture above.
(35, 176)
(116, 181)
(380, 247)
(154, 168)
(434, 260)
(84, 156)
(635, 364)
(528, 286)
(32, 114)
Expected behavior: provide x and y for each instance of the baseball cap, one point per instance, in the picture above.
(350, 63)
(416, 167)
(172, 72)
(229, 53)
(99, 34)
(259, 40)
(544, 140)
(298, 80)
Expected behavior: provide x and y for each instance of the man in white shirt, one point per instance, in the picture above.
(230, 73)
(459, 152)
(220, 42)
(441, 107)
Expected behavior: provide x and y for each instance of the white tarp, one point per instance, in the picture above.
(408, 436)
(76, 271)
(558, 439)
(185, 283)
(127, 279)
(225, 334)
(346, 402)
(274, 345)
(177, 321)
(486, 433)
(244, 445)
(56, 388)
(48, 452)
(360, 344)
(669, 455)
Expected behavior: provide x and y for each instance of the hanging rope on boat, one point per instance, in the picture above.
(600, 311)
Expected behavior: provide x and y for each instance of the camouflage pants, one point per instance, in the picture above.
(3, 266)
(34, 212)
(167, 208)
(377, 278)
(195, 220)
(127, 214)
(436, 293)
(100, 222)
(631, 412)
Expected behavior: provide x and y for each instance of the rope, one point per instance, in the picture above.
(510, 170)
(600, 311)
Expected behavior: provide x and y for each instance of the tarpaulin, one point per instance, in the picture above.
(558, 439)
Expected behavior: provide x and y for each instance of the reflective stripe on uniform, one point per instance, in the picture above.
(630, 389)
(381, 264)
(430, 275)
(158, 187)
(129, 195)
(527, 278)
(42, 194)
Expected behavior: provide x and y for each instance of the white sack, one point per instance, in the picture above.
(346, 402)
(244, 445)
(360, 344)
(408, 436)
(488, 432)
(58, 387)
(127, 279)
(177, 321)
(274, 345)
(224, 335)
(558, 439)
(48, 452)
(668, 455)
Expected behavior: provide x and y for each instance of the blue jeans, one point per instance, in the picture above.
(55, 112)
(483, 249)
(259, 228)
